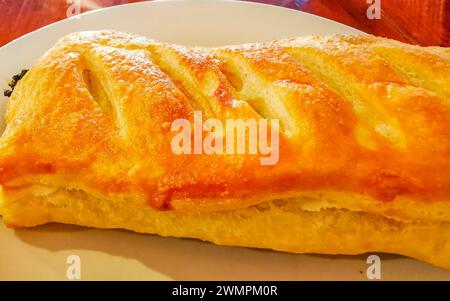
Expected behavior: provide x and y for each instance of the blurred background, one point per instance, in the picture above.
(423, 22)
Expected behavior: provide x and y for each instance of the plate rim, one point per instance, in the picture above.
(158, 2)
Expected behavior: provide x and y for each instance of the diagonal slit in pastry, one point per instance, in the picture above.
(96, 90)
(262, 96)
(412, 65)
(369, 111)
(174, 66)
(100, 87)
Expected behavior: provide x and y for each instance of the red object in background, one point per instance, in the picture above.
(19, 17)
(424, 22)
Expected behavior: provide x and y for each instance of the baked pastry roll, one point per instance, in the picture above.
(364, 144)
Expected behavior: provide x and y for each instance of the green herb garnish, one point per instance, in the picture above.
(13, 83)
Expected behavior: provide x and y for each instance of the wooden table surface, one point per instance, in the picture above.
(424, 22)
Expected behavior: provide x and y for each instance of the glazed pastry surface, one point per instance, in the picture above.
(364, 134)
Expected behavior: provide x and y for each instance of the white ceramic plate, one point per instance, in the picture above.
(41, 253)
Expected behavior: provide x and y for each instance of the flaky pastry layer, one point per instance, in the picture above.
(281, 225)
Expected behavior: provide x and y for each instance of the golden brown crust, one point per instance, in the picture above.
(364, 123)
(86, 105)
